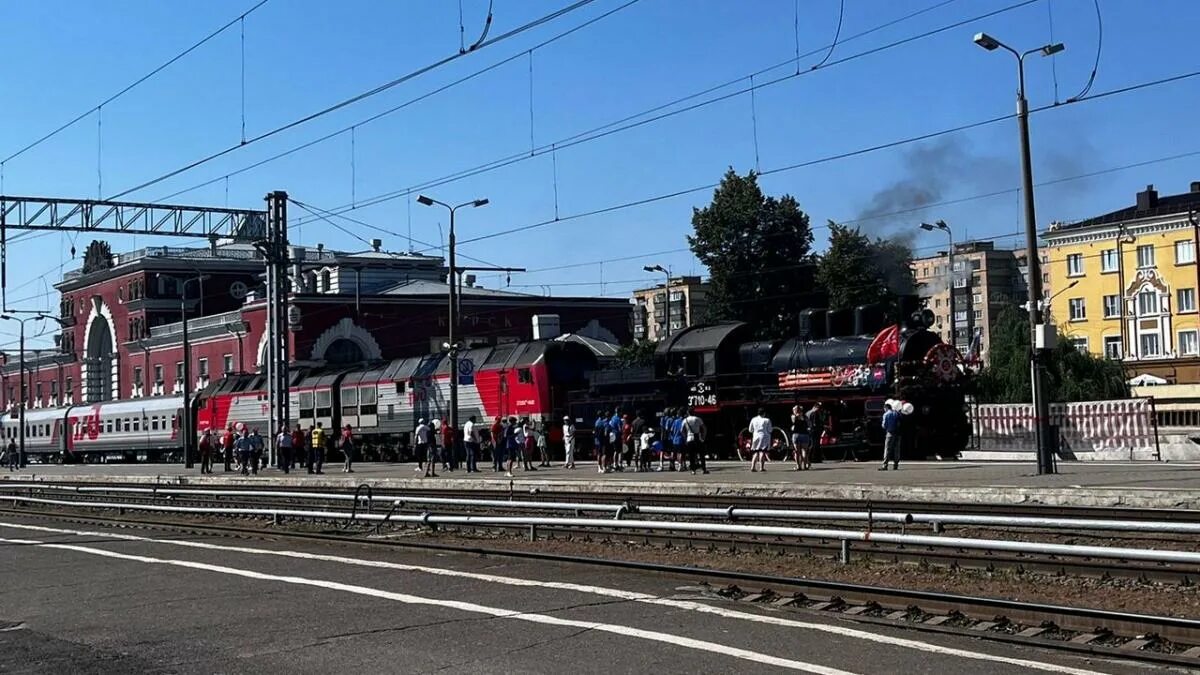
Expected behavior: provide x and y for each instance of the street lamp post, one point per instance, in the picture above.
(185, 421)
(452, 330)
(1037, 327)
(667, 289)
(21, 369)
(941, 225)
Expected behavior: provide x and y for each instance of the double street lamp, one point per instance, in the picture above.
(452, 330)
(941, 225)
(667, 295)
(21, 367)
(1040, 339)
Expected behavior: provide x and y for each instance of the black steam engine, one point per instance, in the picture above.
(852, 361)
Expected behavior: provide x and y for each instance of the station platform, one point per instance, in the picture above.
(1165, 485)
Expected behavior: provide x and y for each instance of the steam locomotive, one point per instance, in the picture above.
(850, 360)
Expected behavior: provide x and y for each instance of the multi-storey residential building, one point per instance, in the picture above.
(689, 302)
(983, 279)
(1127, 283)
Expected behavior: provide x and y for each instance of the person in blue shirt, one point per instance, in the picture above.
(891, 439)
(678, 440)
(599, 437)
(613, 447)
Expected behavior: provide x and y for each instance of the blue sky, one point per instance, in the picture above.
(303, 55)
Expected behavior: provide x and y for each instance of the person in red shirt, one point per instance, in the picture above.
(300, 448)
(450, 460)
(347, 446)
(496, 444)
(622, 456)
(227, 447)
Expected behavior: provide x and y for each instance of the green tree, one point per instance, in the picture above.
(636, 354)
(857, 270)
(1071, 374)
(758, 253)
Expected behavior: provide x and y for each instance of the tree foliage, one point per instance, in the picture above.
(758, 253)
(1071, 375)
(637, 354)
(857, 270)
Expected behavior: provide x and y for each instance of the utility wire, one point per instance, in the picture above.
(830, 158)
(135, 83)
(354, 99)
(640, 119)
(1099, 48)
(397, 108)
(837, 34)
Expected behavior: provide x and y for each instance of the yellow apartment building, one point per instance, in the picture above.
(1125, 284)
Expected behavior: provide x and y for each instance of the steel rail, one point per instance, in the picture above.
(1039, 548)
(991, 611)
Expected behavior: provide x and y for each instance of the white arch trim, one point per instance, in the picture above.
(100, 309)
(348, 330)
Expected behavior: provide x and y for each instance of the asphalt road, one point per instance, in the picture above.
(99, 600)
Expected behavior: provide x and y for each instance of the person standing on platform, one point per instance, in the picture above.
(799, 437)
(299, 448)
(206, 448)
(425, 449)
(695, 435)
(815, 417)
(528, 441)
(760, 441)
(227, 448)
(679, 438)
(636, 427)
(471, 441)
(347, 447)
(496, 433)
(543, 442)
(512, 444)
(245, 451)
(256, 451)
(568, 443)
(283, 442)
(891, 439)
(316, 448)
(600, 438)
(12, 456)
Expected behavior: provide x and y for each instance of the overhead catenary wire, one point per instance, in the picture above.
(394, 109)
(830, 158)
(639, 119)
(353, 99)
(133, 84)
(1087, 88)
(837, 34)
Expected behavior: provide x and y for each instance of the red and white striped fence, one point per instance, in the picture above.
(1087, 430)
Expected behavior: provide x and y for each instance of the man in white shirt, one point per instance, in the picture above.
(425, 451)
(471, 438)
(760, 440)
(694, 435)
(569, 442)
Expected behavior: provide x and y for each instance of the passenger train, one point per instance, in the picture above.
(834, 358)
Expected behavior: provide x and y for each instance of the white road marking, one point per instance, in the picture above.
(498, 612)
(634, 596)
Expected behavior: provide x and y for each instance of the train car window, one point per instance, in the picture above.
(524, 376)
(499, 355)
(366, 400)
(710, 363)
(154, 423)
(323, 399)
(306, 400)
(126, 424)
(108, 426)
(349, 396)
(391, 414)
(399, 387)
(137, 424)
(691, 364)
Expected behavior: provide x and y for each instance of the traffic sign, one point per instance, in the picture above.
(466, 371)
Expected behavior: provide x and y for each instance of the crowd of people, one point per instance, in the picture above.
(676, 438)
(244, 450)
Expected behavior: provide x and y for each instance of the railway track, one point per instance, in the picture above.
(1128, 636)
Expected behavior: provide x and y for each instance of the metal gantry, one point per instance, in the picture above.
(90, 215)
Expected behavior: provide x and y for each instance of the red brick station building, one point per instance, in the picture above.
(121, 334)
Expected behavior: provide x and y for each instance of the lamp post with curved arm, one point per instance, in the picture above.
(452, 330)
(1041, 403)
